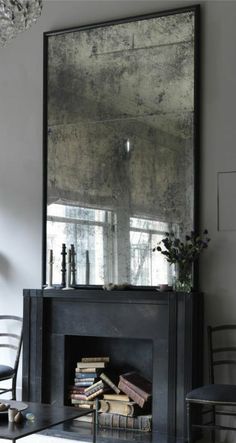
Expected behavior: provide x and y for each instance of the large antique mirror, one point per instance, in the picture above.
(120, 136)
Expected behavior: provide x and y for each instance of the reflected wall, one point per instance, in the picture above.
(120, 133)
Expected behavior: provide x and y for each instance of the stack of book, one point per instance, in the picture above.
(87, 385)
(130, 409)
(122, 401)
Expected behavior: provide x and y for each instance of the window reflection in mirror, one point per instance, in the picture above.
(93, 232)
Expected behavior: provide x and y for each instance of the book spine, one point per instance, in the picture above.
(109, 382)
(116, 397)
(84, 383)
(132, 394)
(95, 394)
(92, 391)
(83, 365)
(76, 386)
(88, 394)
(95, 359)
(79, 374)
(74, 391)
(98, 384)
(78, 402)
(81, 380)
(78, 397)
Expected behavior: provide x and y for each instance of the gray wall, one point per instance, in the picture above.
(21, 73)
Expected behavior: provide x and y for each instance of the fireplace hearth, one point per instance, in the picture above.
(158, 334)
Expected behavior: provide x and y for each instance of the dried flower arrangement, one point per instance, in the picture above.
(183, 253)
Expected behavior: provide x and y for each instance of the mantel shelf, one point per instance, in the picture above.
(115, 296)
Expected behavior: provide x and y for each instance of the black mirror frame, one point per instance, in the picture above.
(196, 127)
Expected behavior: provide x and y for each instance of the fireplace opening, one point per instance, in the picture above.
(125, 355)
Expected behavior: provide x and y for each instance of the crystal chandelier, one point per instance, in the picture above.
(16, 16)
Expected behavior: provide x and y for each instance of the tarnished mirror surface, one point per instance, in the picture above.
(120, 134)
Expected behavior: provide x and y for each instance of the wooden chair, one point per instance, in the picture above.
(214, 396)
(11, 341)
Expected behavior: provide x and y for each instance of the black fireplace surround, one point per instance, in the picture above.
(158, 334)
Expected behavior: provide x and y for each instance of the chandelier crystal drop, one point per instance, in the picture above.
(16, 16)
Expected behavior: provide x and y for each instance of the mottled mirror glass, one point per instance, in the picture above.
(120, 132)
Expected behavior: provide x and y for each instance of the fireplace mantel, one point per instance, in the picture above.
(171, 322)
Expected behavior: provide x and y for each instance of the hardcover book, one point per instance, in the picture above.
(76, 389)
(138, 383)
(95, 386)
(116, 421)
(85, 375)
(128, 409)
(92, 364)
(81, 405)
(132, 394)
(94, 394)
(116, 397)
(82, 380)
(76, 392)
(95, 359)
(78, 397)
(78, 386)
(84, 383)
(80, 402)
(110, 382)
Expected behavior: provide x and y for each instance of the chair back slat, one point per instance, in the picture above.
(220, 355)
(226, 349)
(224, 362)
(222, 327)
(9, 346)
(13, 342)
(4, 334)
(11, 317)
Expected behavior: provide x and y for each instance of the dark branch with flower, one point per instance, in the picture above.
(182, 252)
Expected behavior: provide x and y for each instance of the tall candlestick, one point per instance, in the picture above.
(50, 270)
(73, 265)
(68, 271)
(63, 265)
(87, 268)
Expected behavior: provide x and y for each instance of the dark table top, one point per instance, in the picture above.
(45, 416)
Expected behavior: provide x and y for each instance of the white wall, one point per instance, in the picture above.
(21, 74)
(218, 276)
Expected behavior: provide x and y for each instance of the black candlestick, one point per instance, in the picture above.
(87, 268)
(73, 265)
(63, 265)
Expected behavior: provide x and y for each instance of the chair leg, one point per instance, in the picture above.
(189, 423)
(14, 388)
(213, 434)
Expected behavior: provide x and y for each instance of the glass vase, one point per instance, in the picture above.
(183, 277)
